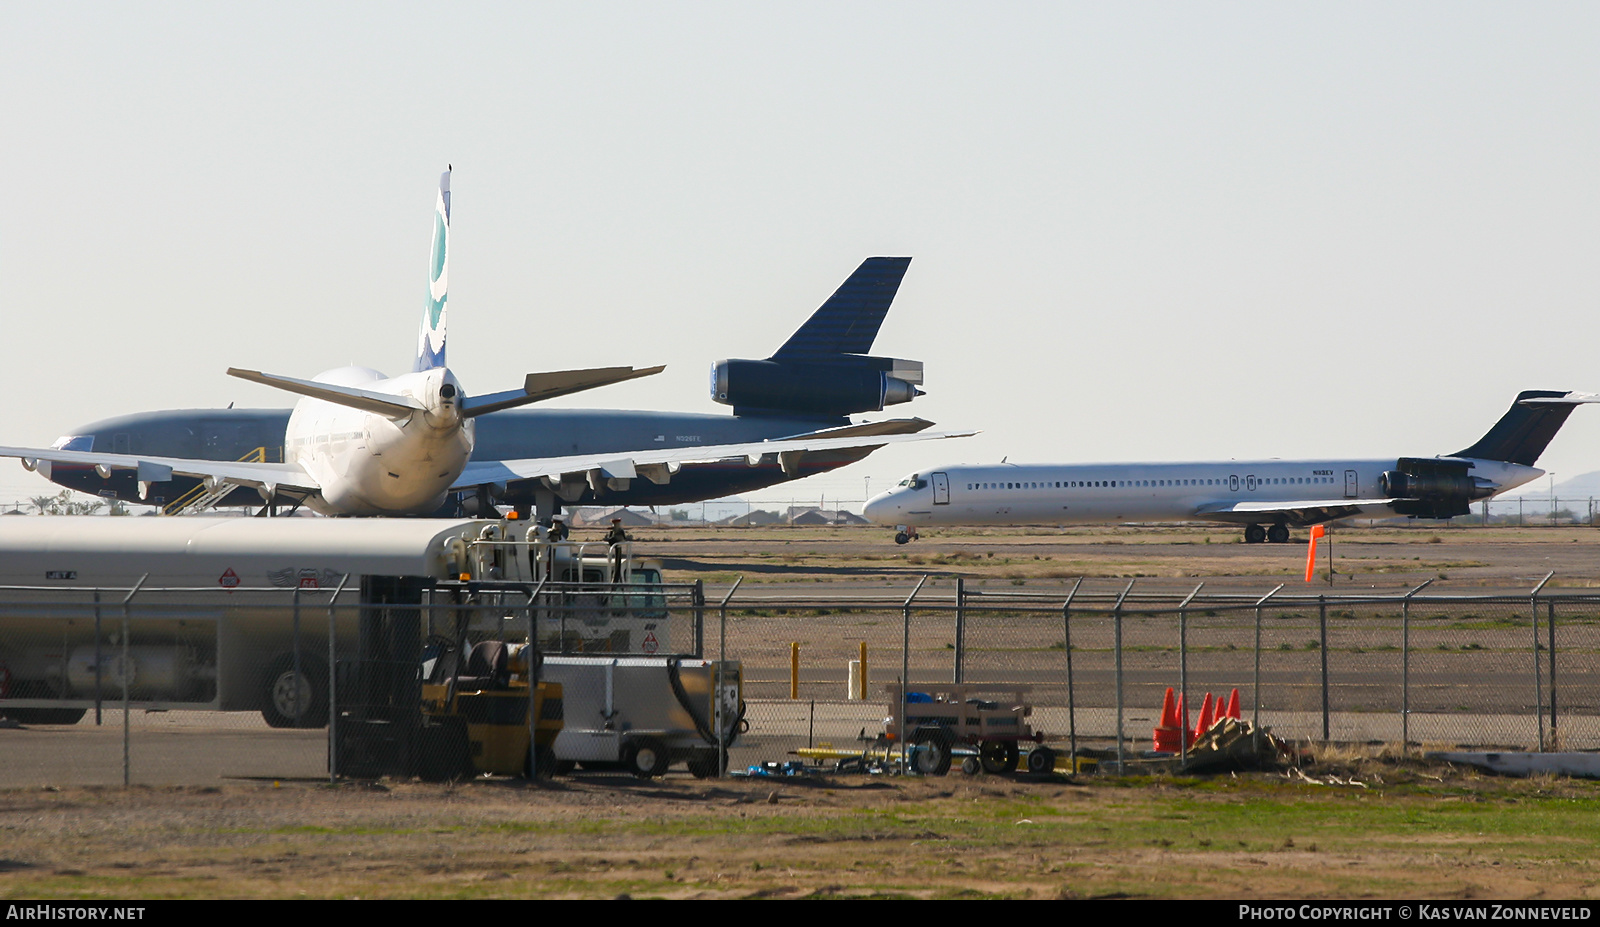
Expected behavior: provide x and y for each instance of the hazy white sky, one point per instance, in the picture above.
(1140, 231)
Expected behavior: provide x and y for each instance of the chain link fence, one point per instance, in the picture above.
(162, 686)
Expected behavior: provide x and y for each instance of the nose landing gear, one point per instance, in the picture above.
(904, 535)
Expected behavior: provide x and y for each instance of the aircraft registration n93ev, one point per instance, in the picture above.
(1267, 497)
(361, 443)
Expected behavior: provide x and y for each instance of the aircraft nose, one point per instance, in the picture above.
(879, 508)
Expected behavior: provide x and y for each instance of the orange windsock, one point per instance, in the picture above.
(1317, 531)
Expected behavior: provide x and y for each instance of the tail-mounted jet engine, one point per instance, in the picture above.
(836, 386)
(1432, 488)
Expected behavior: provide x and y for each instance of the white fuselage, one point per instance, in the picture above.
(368, 463)
(1077, 494)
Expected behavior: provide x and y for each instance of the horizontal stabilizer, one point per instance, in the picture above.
(540, 386)
(389, 404)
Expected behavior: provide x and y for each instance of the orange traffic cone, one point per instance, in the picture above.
(1166, 735)
(1206, 717)
(1233, 707)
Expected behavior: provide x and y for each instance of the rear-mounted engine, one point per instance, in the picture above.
(1432, 488)
(840, 385)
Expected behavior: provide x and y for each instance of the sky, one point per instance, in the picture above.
(1143, 231)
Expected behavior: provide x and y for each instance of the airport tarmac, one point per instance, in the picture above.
(1039, 558)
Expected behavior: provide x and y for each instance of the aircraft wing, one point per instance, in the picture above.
(160, 469)
(1296, 513)
(658, 465)
(895, 426)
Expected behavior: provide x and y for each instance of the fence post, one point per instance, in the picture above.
(535, 665)
(1066, 641)
(699, 596)
(1538, 684)
(716, 686)
(1255, 684)
(1116, 624)
(1183, 677)
(299, 673)
(1405, 665)
(1322, 620)
(961, 631)
(333, 675)
(99, 660)
(123, 672)
(905, 675)
(1550, 608)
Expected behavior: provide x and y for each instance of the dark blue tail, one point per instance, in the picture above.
(848, 322)
(1525, 431)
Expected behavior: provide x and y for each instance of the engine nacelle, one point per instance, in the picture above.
(1403, 485)
(1432, 488)
(838, 386)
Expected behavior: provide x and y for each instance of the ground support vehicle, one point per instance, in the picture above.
(645, 714)
(482, 717)
(992, 719)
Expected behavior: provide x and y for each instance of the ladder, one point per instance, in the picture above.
(207, 494)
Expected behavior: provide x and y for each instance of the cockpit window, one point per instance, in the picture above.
(74, 443)
(914, 482)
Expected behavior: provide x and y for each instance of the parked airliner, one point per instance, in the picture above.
(361, 443)
(1267, 497)
(809, 388)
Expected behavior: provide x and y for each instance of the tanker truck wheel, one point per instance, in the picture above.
(295, 699)
(646, 758)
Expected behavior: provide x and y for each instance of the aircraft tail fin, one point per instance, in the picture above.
(848, 322)
(1525, 430)
(430, 340)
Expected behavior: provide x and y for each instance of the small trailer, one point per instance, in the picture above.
(990, 718)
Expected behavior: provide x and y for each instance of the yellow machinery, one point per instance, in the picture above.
(477, 722)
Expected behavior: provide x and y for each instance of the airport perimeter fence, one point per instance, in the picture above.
(235, 684)
(1512, 670)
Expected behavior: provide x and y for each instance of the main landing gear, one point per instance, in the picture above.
(1276, 534)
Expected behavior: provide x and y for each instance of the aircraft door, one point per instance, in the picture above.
(1233, 483)
(1350, 485)
(941, 489)
(1250, 482)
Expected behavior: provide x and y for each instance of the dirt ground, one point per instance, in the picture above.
(1352, 829)
(1340, 827)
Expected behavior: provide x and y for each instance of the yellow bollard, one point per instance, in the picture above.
(794, 670)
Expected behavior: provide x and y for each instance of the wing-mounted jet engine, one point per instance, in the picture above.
(824, 370)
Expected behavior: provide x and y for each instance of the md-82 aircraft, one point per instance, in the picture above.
(360, 443)
(1267, 497)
